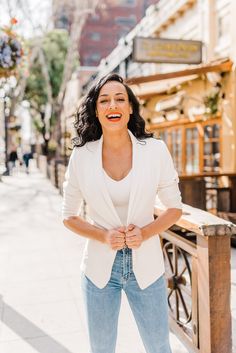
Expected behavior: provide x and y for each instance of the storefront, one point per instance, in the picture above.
(193, 111)
(192, 115)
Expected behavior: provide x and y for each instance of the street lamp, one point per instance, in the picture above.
(4, 120)
(7, 87)
(5, 114)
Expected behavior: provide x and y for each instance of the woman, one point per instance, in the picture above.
(118, 168)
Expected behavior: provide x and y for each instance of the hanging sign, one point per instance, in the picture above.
(161, 50)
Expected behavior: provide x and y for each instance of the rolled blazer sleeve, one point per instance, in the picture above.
(72, 196)
(168, 190)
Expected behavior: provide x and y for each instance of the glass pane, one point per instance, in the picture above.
(216, 130)
(207, 162)
(195, 133)
(192, 150)
(215, 147)
(207, 148)
(188, 134)
(207, 132)
(163, 136)
(179, 135)
(188, 151)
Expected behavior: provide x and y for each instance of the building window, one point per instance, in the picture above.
(223, 25)
(95, 17)
(173, 139)
(192, 151)
(126, 21)
(223, 21)
(211, 149)
(95, 36)
(92, 59)
(195, 148)
(163, 135)
(176, 148)
(128, 3)
(63, 22)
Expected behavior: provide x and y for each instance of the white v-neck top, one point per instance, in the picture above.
(119, 191)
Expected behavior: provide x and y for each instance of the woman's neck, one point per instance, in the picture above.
(116, 141)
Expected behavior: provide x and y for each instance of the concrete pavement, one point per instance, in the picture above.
(41, 307)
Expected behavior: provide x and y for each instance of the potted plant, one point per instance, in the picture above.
(212, 100)
(10, 50)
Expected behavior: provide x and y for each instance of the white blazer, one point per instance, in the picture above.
(152, 172)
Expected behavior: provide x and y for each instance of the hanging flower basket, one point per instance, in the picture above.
(10, 52)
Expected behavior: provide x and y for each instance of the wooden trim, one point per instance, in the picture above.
(183, 124)
(185, 121)
(214, 294)
(220, 66)
(181, 242)
(183, 337)
(201, 222)
(183, 151)
(221, 146)
(195, 317)
(201, 146)
(207, 174)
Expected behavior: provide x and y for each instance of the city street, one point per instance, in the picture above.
(41, 307)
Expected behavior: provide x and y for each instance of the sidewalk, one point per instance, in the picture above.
(41, 307)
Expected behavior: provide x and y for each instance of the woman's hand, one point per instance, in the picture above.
(115, 238)
(133, 236)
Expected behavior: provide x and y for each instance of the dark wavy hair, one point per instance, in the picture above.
(87, 124)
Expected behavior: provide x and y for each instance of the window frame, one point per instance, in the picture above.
(200, 125)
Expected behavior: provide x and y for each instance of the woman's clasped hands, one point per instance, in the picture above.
(122, 237)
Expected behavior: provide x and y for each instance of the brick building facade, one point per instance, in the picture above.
(112, 20)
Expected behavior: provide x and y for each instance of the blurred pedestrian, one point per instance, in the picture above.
(118, 168)
(13, 157)
(27, 156)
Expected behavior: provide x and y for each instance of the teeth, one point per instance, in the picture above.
(110, 116)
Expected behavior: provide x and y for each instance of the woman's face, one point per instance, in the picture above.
(113, 108)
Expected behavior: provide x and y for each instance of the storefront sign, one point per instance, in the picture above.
(160, 50)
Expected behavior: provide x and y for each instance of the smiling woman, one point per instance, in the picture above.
(100, 99)
(113, 106)
(118, 168)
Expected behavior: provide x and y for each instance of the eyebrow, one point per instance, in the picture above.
(116, 94)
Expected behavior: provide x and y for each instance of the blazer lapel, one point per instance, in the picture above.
(136, 176)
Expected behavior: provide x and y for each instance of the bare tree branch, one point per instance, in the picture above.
(81, 12)
(44, 68)
(21, 85)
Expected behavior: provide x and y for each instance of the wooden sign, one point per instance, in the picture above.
(161, 50)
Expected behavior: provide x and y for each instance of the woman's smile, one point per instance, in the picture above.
(114, 116)
(113, 107)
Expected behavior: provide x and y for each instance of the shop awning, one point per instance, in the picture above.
(147, 86)
(148, 89)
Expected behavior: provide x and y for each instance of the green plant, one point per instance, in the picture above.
(211, 102)
(52, 145)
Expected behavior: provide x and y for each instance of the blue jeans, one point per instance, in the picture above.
(149, 307)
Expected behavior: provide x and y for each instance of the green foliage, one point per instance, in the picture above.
(38, 125)
(54, 45)
(35, 90)
(212, 102)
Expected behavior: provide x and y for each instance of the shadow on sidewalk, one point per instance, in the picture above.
(28, 331)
